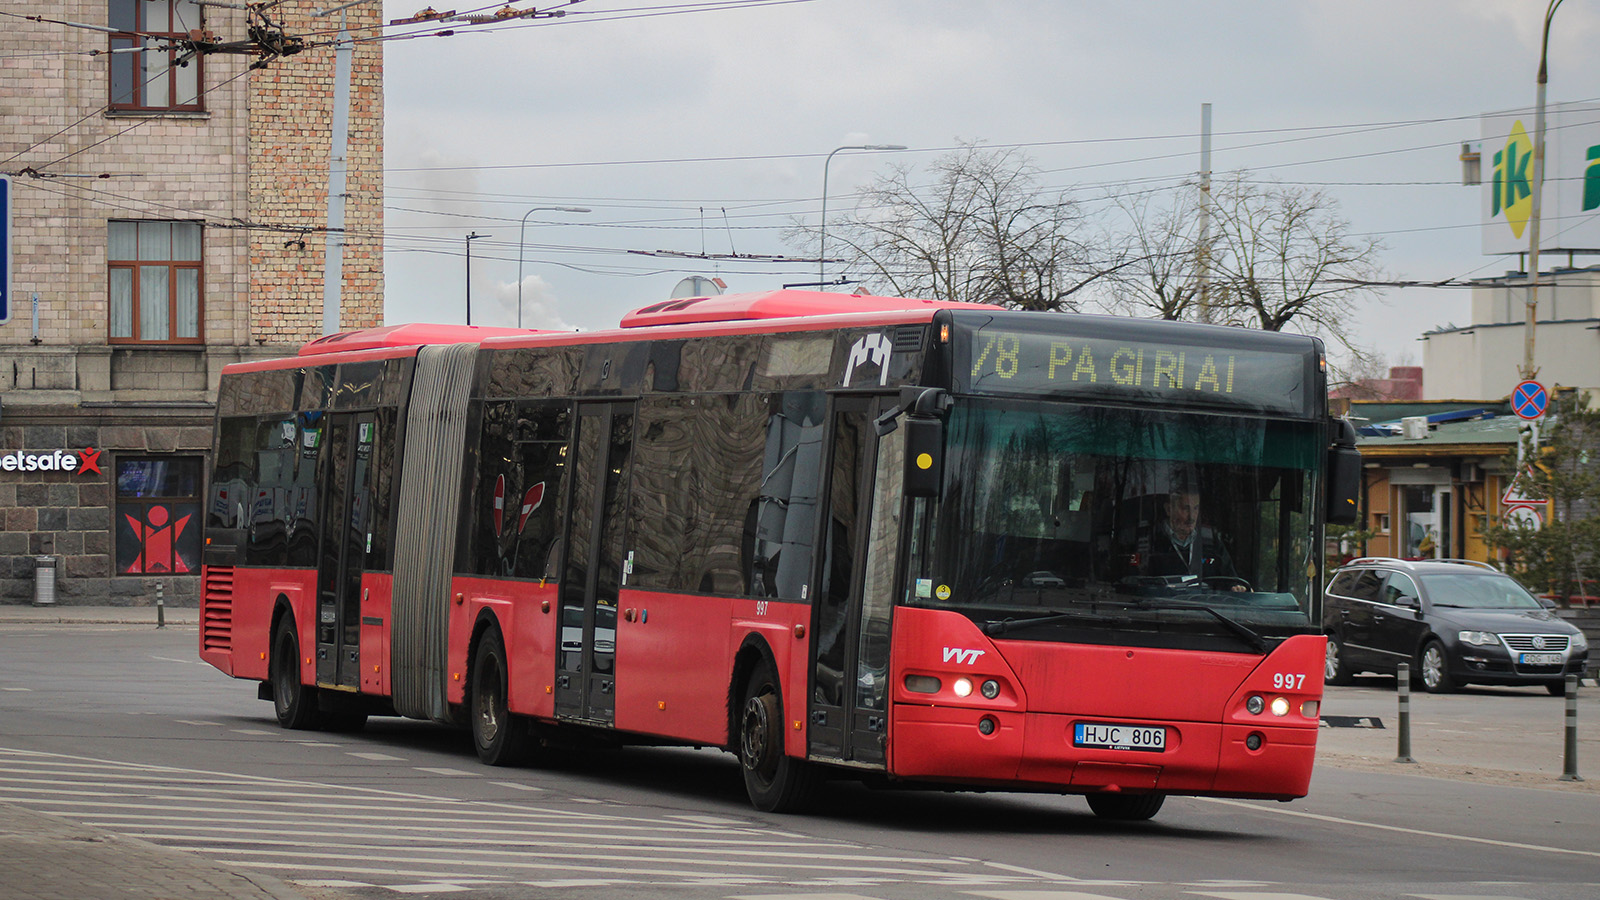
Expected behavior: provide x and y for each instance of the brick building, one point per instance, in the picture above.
(170, 219)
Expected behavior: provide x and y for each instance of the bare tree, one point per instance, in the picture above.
(1279, 258)
(984, 231)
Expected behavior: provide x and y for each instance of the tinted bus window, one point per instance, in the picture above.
(518, 493)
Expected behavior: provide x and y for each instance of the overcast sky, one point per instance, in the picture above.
(657, 123)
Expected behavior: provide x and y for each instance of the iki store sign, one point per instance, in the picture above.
(1569, 217)
(86, 460)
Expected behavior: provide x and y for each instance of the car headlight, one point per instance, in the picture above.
(1479, 638)
(1580, 641)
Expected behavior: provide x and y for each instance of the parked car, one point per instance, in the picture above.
(1456, 622)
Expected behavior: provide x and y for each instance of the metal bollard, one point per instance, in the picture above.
(1403, 684)
(161, 605)
(1569, 770)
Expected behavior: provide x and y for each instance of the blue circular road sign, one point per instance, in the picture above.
(1529, 400)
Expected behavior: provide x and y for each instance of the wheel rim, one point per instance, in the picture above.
(486, 702)
(756, 739)
(1432, 667)
(1330, 667)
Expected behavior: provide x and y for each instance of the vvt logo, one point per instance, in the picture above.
(1513, 189)
(969, 657)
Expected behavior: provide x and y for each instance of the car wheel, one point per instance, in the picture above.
(1435, 666)
(1556, 688)
(1126, 807)
(775, 781)
(1334, 670)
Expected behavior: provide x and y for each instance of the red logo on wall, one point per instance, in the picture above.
(89, 460)
(156, 538)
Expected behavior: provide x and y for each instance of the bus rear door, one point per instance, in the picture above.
(848, 711)
(585, 667)
(345, 482)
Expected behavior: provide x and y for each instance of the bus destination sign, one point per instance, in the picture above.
(1007, 362)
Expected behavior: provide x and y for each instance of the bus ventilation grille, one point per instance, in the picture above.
(216, 609)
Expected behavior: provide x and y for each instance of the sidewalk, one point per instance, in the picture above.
(46, 858)
(23, 614)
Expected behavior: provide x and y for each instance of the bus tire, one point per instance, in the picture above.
(501, 739)
(294, 703)
(775, 781)
(1126, 807)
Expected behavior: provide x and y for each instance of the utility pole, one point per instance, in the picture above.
(1203, 253)
(338, 151)
(471, 236)
(1529, 370)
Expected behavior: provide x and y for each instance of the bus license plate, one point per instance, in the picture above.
(1119, 737)
(1539, 659)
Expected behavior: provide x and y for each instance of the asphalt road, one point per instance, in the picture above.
(120, 728)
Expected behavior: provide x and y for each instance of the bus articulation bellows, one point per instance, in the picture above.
(896, 540)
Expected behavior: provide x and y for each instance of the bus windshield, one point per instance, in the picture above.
(1115, 525)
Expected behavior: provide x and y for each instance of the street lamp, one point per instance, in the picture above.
(822, 231)
(1529, 371)
(471, 236)
(523, 230)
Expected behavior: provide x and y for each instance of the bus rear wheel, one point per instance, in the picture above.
(500, 738)
(294, 703)
(1126, 807)
(775, 782)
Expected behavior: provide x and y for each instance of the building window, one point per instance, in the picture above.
(1380, 523)
(158, 515)
(154, 281)
(147, 71)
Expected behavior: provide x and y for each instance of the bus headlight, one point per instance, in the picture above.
(990, 689)
(962, 687)
(1280, 706)
(1254, 704)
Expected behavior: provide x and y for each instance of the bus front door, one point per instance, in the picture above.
(344, 480)
(585, 666)
(848, 708)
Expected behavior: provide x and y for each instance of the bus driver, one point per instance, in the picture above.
(1180, 545)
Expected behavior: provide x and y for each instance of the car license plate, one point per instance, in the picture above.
(1539, 659)
(1119, 737)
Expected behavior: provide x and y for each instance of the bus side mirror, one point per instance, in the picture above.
(925, 409)
(924, 456)
(1344, 476)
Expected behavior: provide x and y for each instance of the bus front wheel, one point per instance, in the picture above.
(1126, 807)
(775, 782)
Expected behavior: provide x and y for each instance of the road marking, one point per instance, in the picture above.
(1040, 895)
(198, 722)
(251, 731)
(377, 757)
(1318, 817)
(18, 690)
(440, 770)
(1259, 895)
(515, 786)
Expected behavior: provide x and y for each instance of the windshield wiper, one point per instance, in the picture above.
(1001, 626)
(1250, 637)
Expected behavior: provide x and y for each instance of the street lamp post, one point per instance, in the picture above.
(522, 230)
(471, 236)
(822, 231)
(1529, 370)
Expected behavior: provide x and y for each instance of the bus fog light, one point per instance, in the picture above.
(1310, 709)
(1253, 741)
(986, 726)
(990, 689)
(1254, 704)
(1280, 706)
(962, 687)
(922, 684)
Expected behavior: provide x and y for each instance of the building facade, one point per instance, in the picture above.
(169, 216)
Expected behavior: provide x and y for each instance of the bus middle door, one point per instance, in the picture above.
(586, 661)
(848, 708)
(345, 483)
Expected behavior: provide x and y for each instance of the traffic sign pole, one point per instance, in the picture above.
(5, 249)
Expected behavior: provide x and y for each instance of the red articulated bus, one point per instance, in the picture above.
(896, 540)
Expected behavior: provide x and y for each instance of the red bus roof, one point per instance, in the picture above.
(776, 305)
(410, 334)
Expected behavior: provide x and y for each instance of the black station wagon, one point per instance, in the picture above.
(1455, 621)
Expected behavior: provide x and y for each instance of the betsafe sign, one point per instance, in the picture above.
(85, 460)
(1570, 212)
